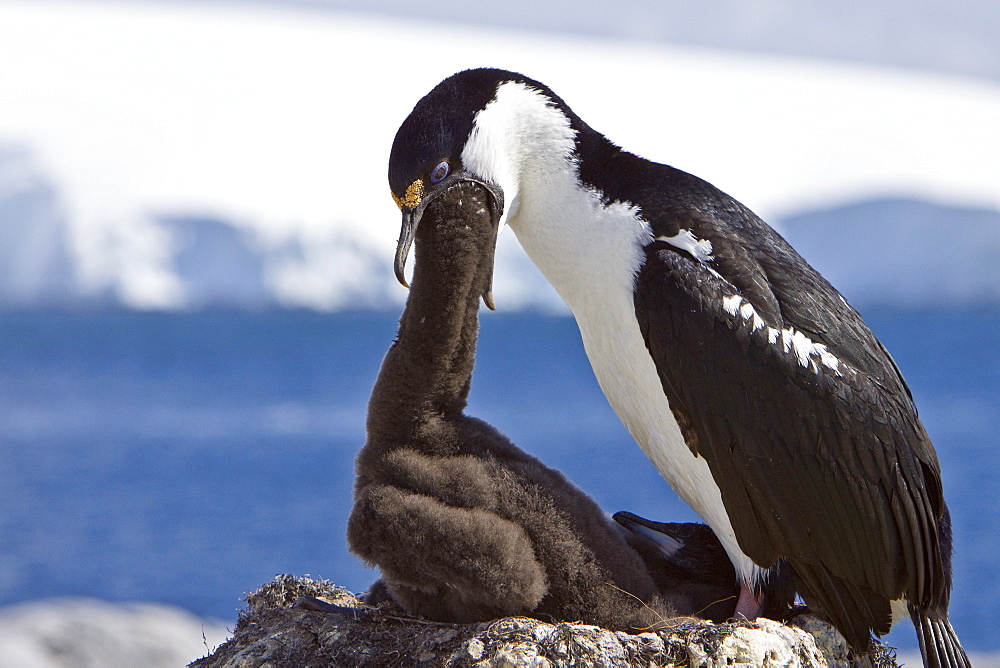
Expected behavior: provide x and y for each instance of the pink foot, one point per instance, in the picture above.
(748, 605)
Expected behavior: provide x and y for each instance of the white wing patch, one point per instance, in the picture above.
(750, 315)
(700, 249)
(808, 353)
(731, 305)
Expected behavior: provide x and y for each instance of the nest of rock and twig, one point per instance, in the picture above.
(301, 621)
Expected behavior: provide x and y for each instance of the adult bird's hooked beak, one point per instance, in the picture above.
(413, 203)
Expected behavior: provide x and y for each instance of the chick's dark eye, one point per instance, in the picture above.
(439, 172)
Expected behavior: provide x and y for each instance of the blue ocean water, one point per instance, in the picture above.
(188, 458)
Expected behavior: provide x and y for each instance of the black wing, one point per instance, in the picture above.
(826, 467)
(768, 272)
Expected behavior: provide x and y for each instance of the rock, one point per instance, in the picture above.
(308, 622)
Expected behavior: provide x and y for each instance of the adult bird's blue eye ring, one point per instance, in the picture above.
(439, 172)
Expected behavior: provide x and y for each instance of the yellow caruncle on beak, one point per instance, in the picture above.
(411, 198)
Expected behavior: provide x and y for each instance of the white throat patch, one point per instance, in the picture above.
(519, 135)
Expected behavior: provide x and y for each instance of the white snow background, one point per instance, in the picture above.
(139, 128)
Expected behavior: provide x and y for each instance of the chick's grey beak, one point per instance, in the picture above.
(496, 213)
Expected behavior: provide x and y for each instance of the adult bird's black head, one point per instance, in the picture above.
(426, 159)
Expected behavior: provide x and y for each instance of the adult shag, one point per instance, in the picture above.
(750, 382)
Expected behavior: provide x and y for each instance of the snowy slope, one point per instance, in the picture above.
(907, 253)
(958, 37)
(136, 130)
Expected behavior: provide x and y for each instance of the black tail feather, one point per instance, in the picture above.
(939, 644)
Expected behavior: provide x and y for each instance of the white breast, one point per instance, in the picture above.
(590, 253)
(602, 302)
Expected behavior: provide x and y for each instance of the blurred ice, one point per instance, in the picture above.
(262, 134)
(83, 633)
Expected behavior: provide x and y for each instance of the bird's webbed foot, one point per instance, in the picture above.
(319, 605)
